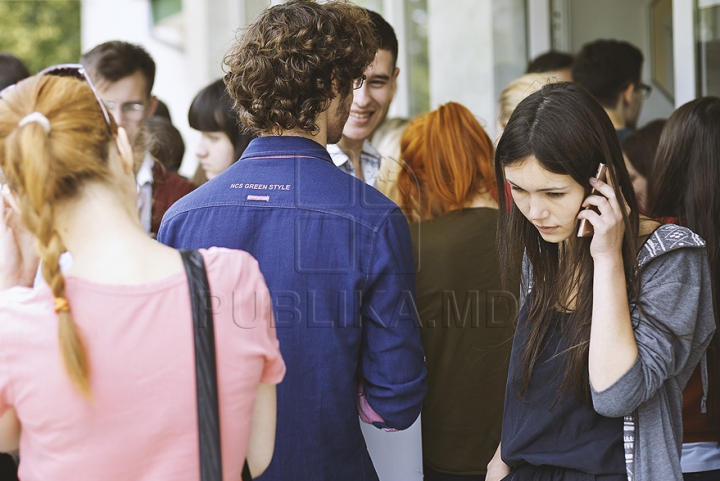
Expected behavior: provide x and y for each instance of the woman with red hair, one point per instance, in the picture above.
(449, 196)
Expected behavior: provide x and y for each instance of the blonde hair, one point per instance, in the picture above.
(517, 90)
(45, 166)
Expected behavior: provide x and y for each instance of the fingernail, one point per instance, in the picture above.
(593, 180)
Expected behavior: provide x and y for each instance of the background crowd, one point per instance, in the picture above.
(358, 265)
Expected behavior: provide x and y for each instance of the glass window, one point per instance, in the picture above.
(661, 42)
(168, 22)
(709, 46)
(417, 52)
(374, 5)
(163, 9)
(509, 42)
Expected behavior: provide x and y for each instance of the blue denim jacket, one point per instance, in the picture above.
(337, 258)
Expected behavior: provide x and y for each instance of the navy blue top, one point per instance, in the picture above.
(569, 434)
(337, 257)
(624, 133)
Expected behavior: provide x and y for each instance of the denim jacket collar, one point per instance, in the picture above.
(280, 145)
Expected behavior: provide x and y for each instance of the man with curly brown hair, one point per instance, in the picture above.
(336, 253)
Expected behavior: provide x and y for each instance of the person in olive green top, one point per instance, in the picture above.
(449, 195)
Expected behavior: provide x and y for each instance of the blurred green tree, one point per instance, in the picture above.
(41, 32)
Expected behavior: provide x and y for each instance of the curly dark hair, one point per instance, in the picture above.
(287, 67)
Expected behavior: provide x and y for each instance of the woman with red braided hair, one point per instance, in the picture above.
(98, 361)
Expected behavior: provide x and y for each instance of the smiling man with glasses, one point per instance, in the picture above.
(612, 71)
(124, 75)
(372, 96)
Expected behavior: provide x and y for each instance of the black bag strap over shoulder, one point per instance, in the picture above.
(205, 370)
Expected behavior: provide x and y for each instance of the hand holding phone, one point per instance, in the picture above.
(585, 228)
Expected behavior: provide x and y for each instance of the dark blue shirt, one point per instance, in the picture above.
(337, 257)
(544, 430)
(624, 133)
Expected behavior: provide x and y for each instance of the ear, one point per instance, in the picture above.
(10, 198)
(152, 106)
(627, 94)
(394, 79)
(125, 150)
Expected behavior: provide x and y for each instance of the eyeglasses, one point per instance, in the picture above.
(77, 71)
(645, 89)
(357, 83)
(132, 111)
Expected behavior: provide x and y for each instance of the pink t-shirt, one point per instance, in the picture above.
(141, 423)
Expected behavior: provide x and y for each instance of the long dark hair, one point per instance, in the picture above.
(684, 184)
(640, 147)
(569, 133)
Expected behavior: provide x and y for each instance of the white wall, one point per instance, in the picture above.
(461, 56)
(131, 20)
(394, 13)
(626, 20)
(209, 31)
(462, 63)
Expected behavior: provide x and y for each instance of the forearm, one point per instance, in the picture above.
(496, 468)
(262, 431)
(9, 432)
(613, 349)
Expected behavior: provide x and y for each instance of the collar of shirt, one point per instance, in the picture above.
(281, 145)
(144, 175)
(144, 180)
(370, 160)
(339, 157)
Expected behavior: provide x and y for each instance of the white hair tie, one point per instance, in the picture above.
(36, 117)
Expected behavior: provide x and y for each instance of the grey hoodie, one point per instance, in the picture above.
(676, 298)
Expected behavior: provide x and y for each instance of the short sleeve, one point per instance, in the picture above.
(249, 297)
(274, 365)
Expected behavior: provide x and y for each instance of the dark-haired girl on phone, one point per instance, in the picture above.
(611, 326)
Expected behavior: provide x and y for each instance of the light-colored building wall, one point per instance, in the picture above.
(474, 46)
(461, 56)
(131, 21)
(207, 31)
(627, 20)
